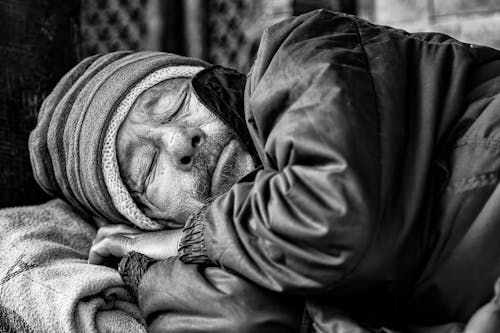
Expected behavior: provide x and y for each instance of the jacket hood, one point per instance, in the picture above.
(222, 91)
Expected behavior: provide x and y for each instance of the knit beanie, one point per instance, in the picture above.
(73, 146)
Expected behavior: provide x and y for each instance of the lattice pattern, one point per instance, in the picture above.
(112, 25)
(235, 28)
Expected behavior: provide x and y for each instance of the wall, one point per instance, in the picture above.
(227, 32)
(474, 21)
(37, 46)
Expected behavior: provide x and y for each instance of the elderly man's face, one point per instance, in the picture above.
(174, 154)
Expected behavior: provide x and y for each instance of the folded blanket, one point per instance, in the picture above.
(46, 284)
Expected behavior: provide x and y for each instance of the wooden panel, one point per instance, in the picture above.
(365, 9)
(37, 46)
(304, 6)
(481, 31)
(234, 29)
(452, 7)
(195, 28)
(112, 25)
(453, 28)
(393, 11)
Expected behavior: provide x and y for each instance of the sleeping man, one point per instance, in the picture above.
(108, 140)
(354, 177)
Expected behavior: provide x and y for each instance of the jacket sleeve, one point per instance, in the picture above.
(175, 297)
(303, 222)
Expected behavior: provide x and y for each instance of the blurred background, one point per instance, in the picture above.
(40, 40)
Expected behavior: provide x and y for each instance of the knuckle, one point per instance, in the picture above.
(103, 230)
(127, 242)
(109, 241)
(114, 238)
(123, 241)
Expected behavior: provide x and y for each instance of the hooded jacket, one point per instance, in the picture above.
(377, 192)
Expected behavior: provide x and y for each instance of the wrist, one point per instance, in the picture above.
(132, 268)
(192, 249)
(176, 242)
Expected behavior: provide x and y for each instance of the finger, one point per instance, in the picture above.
(496, 297)
(158, 244)
(112, 229)
(110, 247)
(117, 245)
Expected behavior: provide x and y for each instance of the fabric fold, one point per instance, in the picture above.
(46, 284)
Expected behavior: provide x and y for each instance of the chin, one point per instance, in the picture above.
(234, 163)
(188, 208)
(238, 171)
(224, 187)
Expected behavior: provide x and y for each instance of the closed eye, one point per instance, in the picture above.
(152, 166)
(174, 110)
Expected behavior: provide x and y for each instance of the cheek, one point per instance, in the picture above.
(214, 128)
(171, 192)
(166, 189)
(208, 122)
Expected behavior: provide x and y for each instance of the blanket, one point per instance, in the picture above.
(46, 284)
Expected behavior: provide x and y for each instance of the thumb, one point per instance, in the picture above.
(116, 245)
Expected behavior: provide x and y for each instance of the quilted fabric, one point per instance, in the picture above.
(112, 25)
(235, 27)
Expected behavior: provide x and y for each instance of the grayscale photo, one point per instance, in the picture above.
(250, 166)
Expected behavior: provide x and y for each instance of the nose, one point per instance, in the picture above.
(183, 145)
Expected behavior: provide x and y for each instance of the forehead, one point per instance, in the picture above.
(143, 115)
(162, 97)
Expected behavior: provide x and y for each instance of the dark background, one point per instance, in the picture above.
(40, 40)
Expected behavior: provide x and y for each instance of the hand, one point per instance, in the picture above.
(118, 240)
(175, 297)
(487, 318)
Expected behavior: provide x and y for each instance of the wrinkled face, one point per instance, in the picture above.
(175, 154)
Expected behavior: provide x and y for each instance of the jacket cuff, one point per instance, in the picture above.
(192, 248)
(132, 268)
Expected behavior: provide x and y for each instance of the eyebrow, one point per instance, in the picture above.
(166, 115)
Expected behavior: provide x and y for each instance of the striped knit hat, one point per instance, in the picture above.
(73, 147)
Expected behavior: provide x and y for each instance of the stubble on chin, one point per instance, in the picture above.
(204, 165)
(229, 176)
